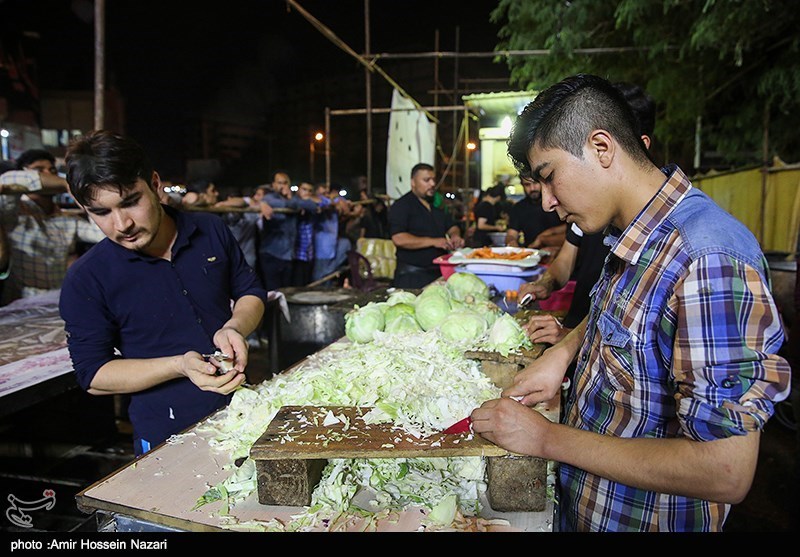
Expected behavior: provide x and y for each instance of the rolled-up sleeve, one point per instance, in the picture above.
(725, 361)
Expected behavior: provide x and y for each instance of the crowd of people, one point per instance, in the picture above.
(291, 235)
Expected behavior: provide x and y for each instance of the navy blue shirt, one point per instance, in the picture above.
(408, 214)
(147, 307)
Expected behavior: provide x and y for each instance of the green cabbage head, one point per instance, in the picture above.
(401, 297)
(467, 287)
(463, 325)
(431, 310)
(403, 323)
(398, 309)
(361, 323)
(507, 335)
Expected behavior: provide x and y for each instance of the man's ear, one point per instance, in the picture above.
(602, 147)
(155, 182)
(646, 140)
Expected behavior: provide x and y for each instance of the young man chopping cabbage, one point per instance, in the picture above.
(677, 371)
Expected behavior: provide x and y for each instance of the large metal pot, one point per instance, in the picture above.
(317, 319)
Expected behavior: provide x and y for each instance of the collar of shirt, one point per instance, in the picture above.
(629, 244)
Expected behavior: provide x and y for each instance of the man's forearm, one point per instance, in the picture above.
(125, 376)
(246, 316)
(409, 241)
(720, 470)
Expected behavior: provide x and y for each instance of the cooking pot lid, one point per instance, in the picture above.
(318, 297)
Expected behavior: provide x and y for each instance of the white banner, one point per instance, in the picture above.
(412, 139)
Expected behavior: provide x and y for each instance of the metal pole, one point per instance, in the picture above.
(765, 166)
(436, 71)
(328, 145)
(466, 148)
(311, 150)
(368, 76)
(698, 126)
(99, 65)
(455, 94)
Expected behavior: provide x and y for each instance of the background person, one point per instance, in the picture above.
(44, 241)
(678, 370)
(303, 261)
(420, 231)
(530, 226)
(278, 235)
(165, 287)
(486, 216)
(330, 249)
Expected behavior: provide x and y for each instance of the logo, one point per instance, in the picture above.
(16, 513)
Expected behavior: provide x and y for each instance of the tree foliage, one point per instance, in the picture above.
(732, 63)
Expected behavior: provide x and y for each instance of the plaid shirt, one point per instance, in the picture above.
(304, 245)
(40, 248)
(681, 342)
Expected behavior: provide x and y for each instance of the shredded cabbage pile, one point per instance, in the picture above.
(419, 380)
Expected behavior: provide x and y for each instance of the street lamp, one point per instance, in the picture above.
(319, 136)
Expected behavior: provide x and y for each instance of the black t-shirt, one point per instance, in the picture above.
(375, 224)
(408, 214)
(528, 217)
(486, 210)
(591, 256)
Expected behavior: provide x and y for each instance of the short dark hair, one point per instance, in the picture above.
(32, 155)
(421, 166)
(102, 158)
(642, 104)
(497, 191)
(563, 115)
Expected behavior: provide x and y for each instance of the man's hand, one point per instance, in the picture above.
(540, 289)
(231, 342)
(204, 374)
(541, 380)
(455, 242)
(266, 210)
(511, 425)
(545, 328)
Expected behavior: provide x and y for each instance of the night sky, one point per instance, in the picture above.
(171, 59)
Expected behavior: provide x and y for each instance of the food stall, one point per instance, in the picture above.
(332, 443)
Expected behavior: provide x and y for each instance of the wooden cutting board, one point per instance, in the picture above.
(299, 433)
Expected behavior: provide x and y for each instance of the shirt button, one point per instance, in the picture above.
(199, 320)
(609, 336)
(184, 292)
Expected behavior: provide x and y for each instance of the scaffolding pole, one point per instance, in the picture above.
(359, 111)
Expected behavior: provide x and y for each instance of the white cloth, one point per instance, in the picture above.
(412, 139)
(282, 303)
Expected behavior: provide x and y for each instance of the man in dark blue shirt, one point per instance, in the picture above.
(420, 231)
(162, 289)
